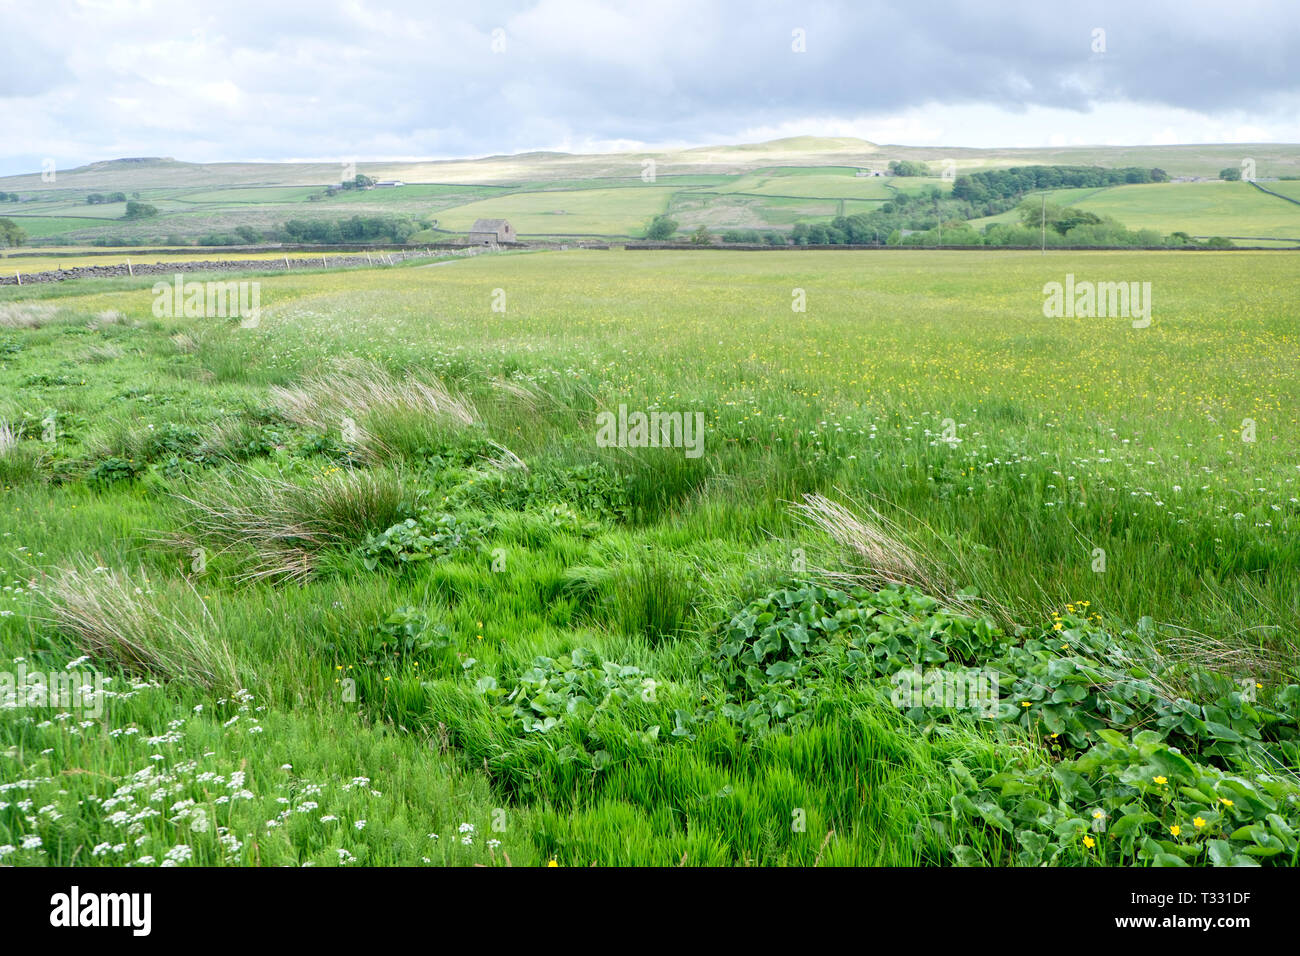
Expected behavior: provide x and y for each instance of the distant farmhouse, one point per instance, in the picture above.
(389, 183)
(488, 232)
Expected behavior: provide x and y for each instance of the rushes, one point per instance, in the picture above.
(885, 555)
(375, 403)
(18, 462)
(163, 631)
(26, 315)
(883, 558)
(108, 352)
(279, 528)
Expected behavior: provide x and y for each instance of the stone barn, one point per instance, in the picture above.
(488, 232)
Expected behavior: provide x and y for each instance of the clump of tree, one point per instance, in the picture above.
(8, 197)
(11, 234)
(907, 167)
(661, 227)
(924, 209)
(99, 199)
(139, 210)
(928, 223)
(1061, 219)
(753, 237)
(701, 236)
(1232, 174)
(359, 181)
(394, 229)
(1019, 180)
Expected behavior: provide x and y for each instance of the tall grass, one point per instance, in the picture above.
(372, 409)
(155, 629)
(277, 529)
(1072, 438)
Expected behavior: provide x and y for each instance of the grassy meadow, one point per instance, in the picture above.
(368, 589)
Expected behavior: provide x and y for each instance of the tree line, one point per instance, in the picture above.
(1019, 180)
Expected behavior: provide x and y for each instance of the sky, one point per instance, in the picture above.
(340, 80)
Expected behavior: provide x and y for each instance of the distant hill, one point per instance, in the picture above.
(139, 173)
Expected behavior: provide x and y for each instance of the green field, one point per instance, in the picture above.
(621, 211)
(1202, 209)
(1287, 188)
(757, 186)
(370, 588)
(810, 183)
(1199, 209)
(278, 194)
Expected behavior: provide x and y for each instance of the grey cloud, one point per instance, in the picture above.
(336, 78)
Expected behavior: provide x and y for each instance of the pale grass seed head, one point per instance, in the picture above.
(156, 629)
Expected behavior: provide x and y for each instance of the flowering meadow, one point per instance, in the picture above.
(356, 583)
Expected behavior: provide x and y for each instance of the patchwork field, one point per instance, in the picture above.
(370, 586)
(758, 186)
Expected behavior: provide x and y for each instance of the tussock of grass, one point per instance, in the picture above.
(26, 315)
(1189, 653)
(158, 630)
(185, 344)
(232, 439)
(382, 408)
(882, 557)
(652, 594)
(523, 394)
(108, 352)
(106, 317)
(18, 462)
(279, 528)
(884, 554)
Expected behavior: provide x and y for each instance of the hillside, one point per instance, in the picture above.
(767, 186)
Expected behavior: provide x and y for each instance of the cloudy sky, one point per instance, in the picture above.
(330, 79)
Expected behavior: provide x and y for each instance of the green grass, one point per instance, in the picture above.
(1289, 188)
(1001, 447)
(259, 195)
(613, 212)
(1199, 209)
(38, 227)
(813, 183)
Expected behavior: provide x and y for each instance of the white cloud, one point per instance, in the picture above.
(203, 81)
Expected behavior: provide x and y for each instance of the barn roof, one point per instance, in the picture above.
(487, 225)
